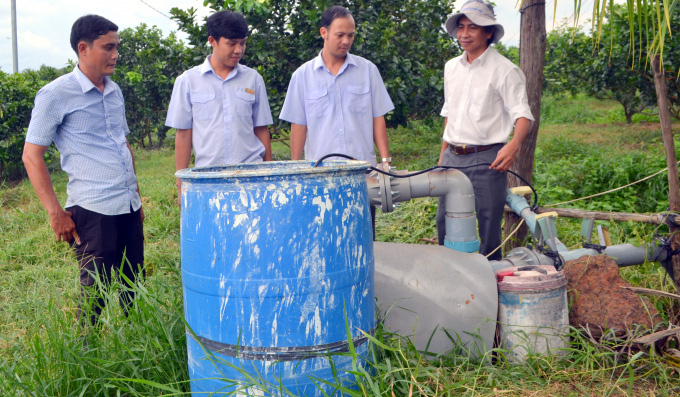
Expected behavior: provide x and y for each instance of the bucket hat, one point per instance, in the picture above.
(480, 13)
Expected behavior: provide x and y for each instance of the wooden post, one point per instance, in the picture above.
(671, 160)
(655, 219)
(532, 61)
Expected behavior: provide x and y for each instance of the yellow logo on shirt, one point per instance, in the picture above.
(249, 91)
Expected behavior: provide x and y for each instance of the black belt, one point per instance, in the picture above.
(469, 149)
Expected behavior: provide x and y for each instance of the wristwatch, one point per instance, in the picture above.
(386, 159)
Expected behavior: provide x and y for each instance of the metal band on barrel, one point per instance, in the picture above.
(286, 353)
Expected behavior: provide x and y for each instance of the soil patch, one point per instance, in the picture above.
(597, 301)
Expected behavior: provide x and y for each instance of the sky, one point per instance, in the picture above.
(44, 26)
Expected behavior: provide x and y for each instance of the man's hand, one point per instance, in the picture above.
(64, 227)
(508, 154)
(505, 157)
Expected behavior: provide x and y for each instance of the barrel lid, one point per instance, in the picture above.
(270, 168)
(534, 276)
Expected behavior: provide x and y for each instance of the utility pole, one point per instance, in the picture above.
(15, 53)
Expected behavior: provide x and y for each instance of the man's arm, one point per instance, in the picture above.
(508, 154)
(298, 136)
(134, 169)
(182, 156)
(380, 137)
(60, 220)
(262, 133)
(445, 145)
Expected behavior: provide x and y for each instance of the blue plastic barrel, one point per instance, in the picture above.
(277, 266)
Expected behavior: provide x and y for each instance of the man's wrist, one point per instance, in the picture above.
(386, 159)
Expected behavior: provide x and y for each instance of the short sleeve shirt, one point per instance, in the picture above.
(338, 110)
(89, 129)
(221, 113)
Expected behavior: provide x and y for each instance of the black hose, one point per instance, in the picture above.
(533, 206)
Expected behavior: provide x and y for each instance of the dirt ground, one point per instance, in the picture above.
(597, 301)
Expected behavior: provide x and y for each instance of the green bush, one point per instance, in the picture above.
(17, 92)
(567, 170)
(146, 71)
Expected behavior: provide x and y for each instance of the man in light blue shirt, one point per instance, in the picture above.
(336, 102)
(220, 107)
(83, 113)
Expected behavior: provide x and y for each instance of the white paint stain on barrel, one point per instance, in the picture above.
(322, 209)
(275, 327)
(237, 260)
(317, 323)
(224, 299)
(279, 198)
(239, 219)
(244, 197)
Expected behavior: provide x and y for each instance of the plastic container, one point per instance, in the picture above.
(277, 266)
(533, 314)
(441, 299)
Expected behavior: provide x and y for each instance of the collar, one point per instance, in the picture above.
(207, 67)
(319, 63)
(479, 61)
(86, 84)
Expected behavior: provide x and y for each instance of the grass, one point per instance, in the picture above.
(583, 147)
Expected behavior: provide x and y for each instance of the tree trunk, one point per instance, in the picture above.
(671, 159)
(532, 61)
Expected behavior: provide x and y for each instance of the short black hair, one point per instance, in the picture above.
(332, 13)
(88, 28)
(227, 24)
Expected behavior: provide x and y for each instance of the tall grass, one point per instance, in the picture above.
(60, 359)
(43, 352)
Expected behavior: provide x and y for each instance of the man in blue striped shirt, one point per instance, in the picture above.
(83, 113)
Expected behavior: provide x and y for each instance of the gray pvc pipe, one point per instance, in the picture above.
(623, 254)
(519, 206)
(453, 185)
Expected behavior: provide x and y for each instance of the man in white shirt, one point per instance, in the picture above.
(484, 99)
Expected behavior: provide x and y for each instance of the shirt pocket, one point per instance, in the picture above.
(244, 103)
(115, 120)
(481, 103)
(316, 102)
(359, 98)
(203, 105)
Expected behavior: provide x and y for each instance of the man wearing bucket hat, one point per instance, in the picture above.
(484, 100)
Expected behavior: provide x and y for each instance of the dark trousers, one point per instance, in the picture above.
(111, 246)
(490, 188)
